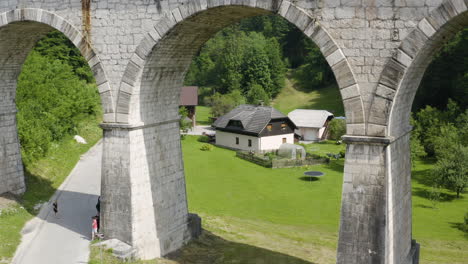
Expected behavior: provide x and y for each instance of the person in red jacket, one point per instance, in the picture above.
(94, 228)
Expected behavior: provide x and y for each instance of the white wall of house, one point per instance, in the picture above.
(274, 142)
(320, 133)
(227, 139)
(309, 133)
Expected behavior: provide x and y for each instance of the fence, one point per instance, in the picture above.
(279, 163)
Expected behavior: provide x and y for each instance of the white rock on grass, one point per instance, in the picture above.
(38, 206)
(80, 139)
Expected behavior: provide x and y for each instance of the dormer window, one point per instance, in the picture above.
(235, 123)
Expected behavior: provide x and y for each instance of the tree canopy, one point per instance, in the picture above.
(55, 92)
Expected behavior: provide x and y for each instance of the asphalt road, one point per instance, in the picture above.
(65, 239)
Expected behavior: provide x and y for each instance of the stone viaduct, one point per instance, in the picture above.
(140, 50)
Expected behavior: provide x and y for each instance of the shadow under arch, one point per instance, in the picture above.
(28, 25)
(164, 55)
(391, 107)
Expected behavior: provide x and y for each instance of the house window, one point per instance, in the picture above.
(250, 142)
(284, 140)
(283, 126)
(237, 141)
(269, 127)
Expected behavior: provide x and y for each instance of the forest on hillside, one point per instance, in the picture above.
(247, 63)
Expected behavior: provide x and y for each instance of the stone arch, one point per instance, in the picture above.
(400, 79)
(214, 14)
(45, 21)
(20, 30)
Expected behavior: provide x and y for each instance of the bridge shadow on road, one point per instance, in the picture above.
(75, 208)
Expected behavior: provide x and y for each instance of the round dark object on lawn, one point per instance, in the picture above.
(314, 173)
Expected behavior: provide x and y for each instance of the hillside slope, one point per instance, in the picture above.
(293, 97)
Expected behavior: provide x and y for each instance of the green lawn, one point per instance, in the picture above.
(203, 115)
(237, 188)
(43, 177)
(291, 98)
(325, 147)
(252, 214)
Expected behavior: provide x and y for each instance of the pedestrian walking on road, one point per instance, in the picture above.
(55, 207)
(94, 225)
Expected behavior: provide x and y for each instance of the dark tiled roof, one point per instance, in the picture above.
(253, 118)
(189, 95)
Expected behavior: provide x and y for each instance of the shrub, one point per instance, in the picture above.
(337, 128)
(206, 147)
(270, 155)
(343, 153)
(465, 224)
(203, 139)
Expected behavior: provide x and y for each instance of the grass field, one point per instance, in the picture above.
(203, 115)
(43, 177)
(292, 97)
(258, 215)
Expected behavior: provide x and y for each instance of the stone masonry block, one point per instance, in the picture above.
(427, 28)
(414, 42)
(284, 8)
(380, 112)
(402, 58)
(343, 74)
(350, 92)
(438, 17)
(335, 57)
(392, 74)
(298, 17)
(385, 92)
(353, 109)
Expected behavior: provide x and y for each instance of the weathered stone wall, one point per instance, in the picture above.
(399, 229)
(363, 210)
(144, 195)
(11, 166)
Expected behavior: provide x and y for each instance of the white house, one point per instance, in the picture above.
(312, 125)
(254, 128)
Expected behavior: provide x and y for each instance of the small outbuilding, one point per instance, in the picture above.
(189, 100)
(312, 125)
(292, 151)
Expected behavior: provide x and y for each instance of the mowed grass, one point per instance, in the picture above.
(203, 115)
(325, 147)
(257, 215)
(292, 97)
(437, 228)
(219, 184)
(43, 177)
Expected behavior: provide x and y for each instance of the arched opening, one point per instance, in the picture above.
(45, 95)
(394, 98)
(147, 107)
